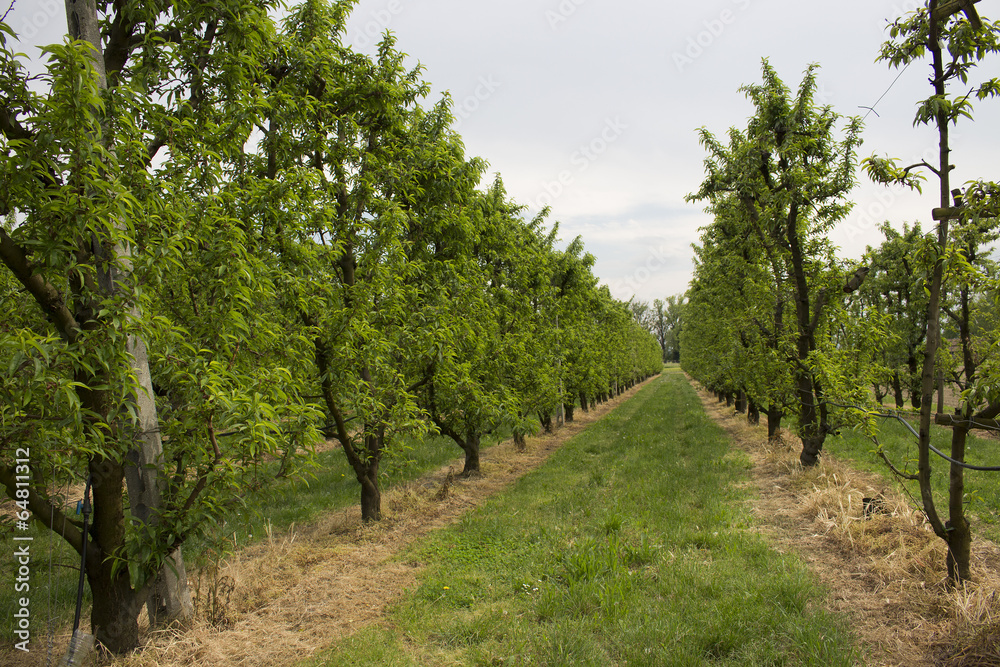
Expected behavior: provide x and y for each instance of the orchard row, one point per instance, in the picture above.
(227, 239)
(778, 320)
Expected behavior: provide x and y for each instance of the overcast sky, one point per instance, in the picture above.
(592, 106)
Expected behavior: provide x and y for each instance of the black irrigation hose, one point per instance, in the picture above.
(884, 415)
(83, 555)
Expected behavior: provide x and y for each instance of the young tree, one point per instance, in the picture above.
(957, 39)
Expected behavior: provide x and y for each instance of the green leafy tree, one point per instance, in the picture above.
(668, 325)
(957, 40)
(105, 171)
(465, 247)
(737, 338)
(338, 145)
(790, 175)
(896, 287)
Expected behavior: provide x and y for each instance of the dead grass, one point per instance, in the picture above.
(884, 568)
(297, 592)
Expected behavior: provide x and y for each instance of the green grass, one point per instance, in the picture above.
(327, 486)
(54, 575)
(633, 545)
(982, 489)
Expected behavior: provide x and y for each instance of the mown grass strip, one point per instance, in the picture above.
(632, 546)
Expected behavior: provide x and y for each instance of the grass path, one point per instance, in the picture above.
(666, 533)
(633, 545)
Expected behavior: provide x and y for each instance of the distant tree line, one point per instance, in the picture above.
(664, 320)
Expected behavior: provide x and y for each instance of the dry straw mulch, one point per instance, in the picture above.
(884, 568)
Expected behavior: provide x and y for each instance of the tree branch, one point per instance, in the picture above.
(10, 127)
(896, 471)
(46, 295)
(49, 515)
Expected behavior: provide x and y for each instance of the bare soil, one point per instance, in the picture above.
(885, 568)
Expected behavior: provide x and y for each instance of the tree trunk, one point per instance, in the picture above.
(545, 419)
(774, 416)
(520, 444)
(583, 402)
(371, 495)
(940, 393)
(812, 445)
(935, 289)
(114, 618)
(568, 407)
(371, 500)
(810, 427)
(741, 402)
(879, 394)
(959, 552)
(753, 413)
(897, 390)
(959, 537)
(471, 449)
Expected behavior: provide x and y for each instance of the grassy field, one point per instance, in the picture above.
(633, 545)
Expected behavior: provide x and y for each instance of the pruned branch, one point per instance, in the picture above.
(974, 422)
(855, 281)
(946, 9)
